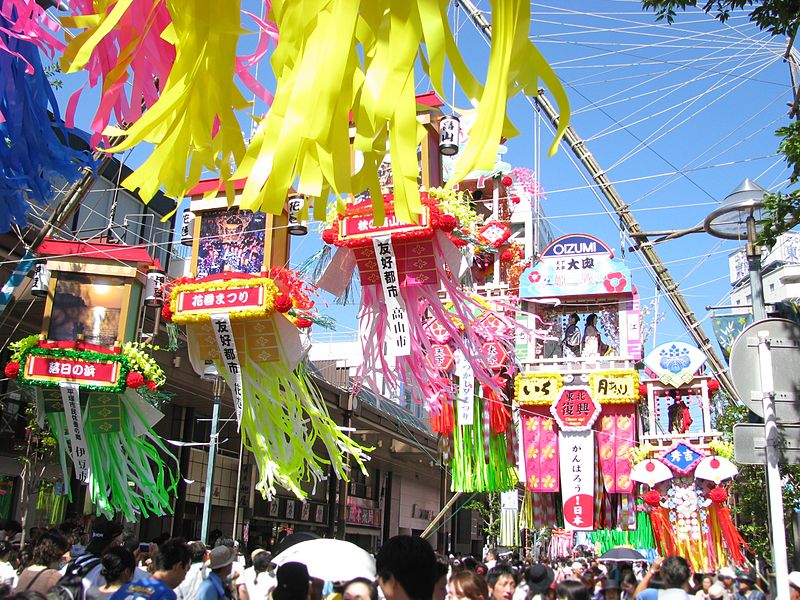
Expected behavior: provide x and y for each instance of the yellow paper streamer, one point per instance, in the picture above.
(351, 60)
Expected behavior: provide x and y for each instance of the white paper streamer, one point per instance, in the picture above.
(221, 324)
(70, 396)
(398, 337)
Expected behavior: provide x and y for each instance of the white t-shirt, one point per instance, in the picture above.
(258, 586)
(188, 588)
(8, 574)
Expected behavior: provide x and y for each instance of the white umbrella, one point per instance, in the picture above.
(330, 560)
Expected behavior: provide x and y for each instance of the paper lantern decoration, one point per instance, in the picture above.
(232, 321)
(94, 387)
(187, 227)
(449, 134)
(716, 469)
(40, 285)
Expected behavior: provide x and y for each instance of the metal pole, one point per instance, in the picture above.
(774, 489)
(754, 267)
(238, 491)
(212, 455)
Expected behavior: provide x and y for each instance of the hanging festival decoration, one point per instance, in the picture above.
(248, 320)
(401, 268)
(35, 152)
(96, 389)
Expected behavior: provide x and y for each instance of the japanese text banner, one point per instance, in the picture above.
(576, 454)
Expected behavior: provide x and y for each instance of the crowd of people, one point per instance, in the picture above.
(113, 565)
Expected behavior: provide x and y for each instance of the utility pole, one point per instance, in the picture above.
(629, 222)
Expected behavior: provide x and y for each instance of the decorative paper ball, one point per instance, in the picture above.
(515, 200)
(151, 385)
(166, 312)
(303, 323)
(283, 303)
(718, 494)
(506, 255)
(642, 389)
(327, 236)
(713, 385)
(448, 222)
(134, 379)
(652, 498)
(12, 369)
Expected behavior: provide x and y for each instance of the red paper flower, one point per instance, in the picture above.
(506, 255)
(134, 379)
(448, 222)
(303, 323)
(283, 303)
(652, 498)
(642, 389)
(534, 277)
(12, 369)
(151, 385)
(515, 200)
(713, 385)
(718, 494)
(328, 236)
(615, 282)
(166, 313)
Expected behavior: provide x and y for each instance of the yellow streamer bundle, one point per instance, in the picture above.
(344, 60)
(193, 120)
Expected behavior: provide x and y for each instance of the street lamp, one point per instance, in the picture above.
(211, 374)
(736, 219)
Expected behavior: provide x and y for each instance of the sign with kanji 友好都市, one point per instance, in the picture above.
(398, 336)
(575, 409)
(576, 458)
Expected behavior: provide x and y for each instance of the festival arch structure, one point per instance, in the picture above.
(577, 401)
(94, 383)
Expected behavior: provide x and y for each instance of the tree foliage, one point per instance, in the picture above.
(780, 18)
(489, 510)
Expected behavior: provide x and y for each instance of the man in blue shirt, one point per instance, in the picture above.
(675, 573)
(172, 561)
(215, 586)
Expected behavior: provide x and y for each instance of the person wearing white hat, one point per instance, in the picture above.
(794, 585)
(726, 576)
(215, 586)
(716, 592)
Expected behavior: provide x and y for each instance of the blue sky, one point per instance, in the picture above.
(677, 115)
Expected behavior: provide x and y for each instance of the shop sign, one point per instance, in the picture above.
(362, 511)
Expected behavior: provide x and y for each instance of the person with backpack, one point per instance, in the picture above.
(42, 572)
(86, 569)
(171, 562)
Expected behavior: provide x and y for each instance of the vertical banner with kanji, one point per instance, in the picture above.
(540, 449)
(70, 397)
(466, 389)
(576, 454)
(398, 338)
(221, 324)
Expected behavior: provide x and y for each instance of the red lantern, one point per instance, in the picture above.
(134, 379)
(652, 498)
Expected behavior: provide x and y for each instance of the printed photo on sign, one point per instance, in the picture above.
(87, 306)
(231, 238)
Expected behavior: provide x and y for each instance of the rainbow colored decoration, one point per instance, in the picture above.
(402, 268)
(248, 326)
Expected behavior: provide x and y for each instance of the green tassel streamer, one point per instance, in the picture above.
(469, 469)
(641, 538)
(173, 337)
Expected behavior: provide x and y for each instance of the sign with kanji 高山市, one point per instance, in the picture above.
(575, 409)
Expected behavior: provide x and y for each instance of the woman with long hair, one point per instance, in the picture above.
(42, 572)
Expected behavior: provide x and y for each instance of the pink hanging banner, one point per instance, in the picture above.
(540, 444)
(616, 431)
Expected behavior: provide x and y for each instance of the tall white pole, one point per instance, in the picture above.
(774, 490)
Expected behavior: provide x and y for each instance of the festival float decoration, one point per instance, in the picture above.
(245, 318)
(683, 462)
(578, 412)
(95, 386)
